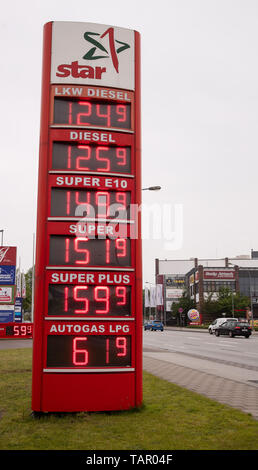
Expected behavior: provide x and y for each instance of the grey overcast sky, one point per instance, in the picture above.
(199, 116)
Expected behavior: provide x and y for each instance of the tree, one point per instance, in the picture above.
(225, 302)
(185, 303)
(27, 300)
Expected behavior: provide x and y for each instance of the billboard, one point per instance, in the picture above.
(6, 313)
(7, 274)
(8, 255)
(219, 275)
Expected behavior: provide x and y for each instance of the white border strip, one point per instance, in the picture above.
(82, 220)
(101, 173)
(83, 371)
(93, 268)
(90, 318)
(108, 129)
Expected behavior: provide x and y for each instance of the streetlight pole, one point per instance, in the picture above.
(152, 188)
(250, 293)
(147, 282)
(251, 299)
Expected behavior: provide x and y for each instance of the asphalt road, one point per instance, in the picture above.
(232, 358)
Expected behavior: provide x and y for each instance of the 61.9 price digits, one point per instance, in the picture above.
(88, 351)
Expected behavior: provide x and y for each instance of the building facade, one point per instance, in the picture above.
(202, 279)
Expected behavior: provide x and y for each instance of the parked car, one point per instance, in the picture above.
(218, 322)
(233, 328)
(154, 325)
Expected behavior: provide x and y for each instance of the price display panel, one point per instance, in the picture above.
(101, 114)
(88, 157)
(89, 300)
(16, 331)
(90, 150)
(85, 252)
(93, 204)
(88, 351)
(88, 288)
(90, 295)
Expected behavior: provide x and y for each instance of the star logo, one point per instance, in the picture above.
(115, 47)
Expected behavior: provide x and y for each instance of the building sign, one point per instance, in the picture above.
(88, 288)
(175, 281)
(7, 282)
(219, 275)
(7, 294)
(18, 309)
(6, 314)
(8, 256)
(93, 54)
(7, 274)
(191, 279)
(174, 293)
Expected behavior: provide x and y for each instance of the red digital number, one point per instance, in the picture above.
(86, 113)
(122, 346)
(121, 111)
(100, 158)
(106, 115)
(16, 330)
(121, 198)
(77, 353)
(121, 293)
(83, 158)
(76, 293)
(121, 247)
(86, 252)
(101, 294)
(103, 203)
(121, 156)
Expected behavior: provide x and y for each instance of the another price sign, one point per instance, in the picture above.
(88, 289)
(16, 330)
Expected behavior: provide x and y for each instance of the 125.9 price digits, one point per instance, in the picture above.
(81, 157)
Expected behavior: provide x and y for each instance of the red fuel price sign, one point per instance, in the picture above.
(87, 351)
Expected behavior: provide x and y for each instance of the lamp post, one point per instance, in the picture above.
(250, 293)
(152, 188)
(147, 282)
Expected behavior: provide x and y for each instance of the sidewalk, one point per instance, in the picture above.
(184, 371)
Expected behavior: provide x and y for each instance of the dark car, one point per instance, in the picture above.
(234, 329)
(154, 325)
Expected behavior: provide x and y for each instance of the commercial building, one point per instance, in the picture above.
(200, 278)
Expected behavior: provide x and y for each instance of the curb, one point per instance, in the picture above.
(199, 330)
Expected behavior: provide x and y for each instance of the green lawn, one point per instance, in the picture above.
(170, 418)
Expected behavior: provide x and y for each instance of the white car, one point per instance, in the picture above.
(219, 322)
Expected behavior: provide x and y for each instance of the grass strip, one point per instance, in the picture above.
(171, 418)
